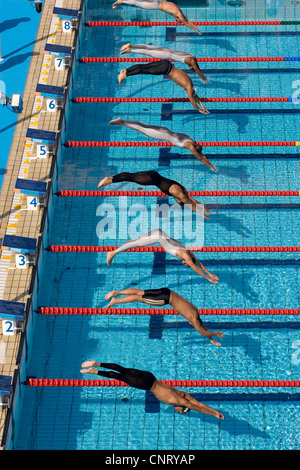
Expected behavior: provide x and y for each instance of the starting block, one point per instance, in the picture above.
(34, 190)
(12, 315)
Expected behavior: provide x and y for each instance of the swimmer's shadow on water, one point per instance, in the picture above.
(230, 424)
(237, 172)
(212, 84)
(231, 224)
(252, 347)
(240, 119)
(10, 24)
(16, 60)
(240, 283)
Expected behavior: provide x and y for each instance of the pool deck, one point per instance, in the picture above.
(15, 284)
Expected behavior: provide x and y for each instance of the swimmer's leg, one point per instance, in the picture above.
(145, 4)
(131, 295)
(151, 51)
(129, 291)
(128, 299)
(152, 68)
(144, 240)
(136, 48)
(156, 132)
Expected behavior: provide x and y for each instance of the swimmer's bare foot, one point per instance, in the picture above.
(116, 122)
(90, 364)
(90, 367)
(125, 46)
(110, 294)
(117, 3)
(91, 370)
(126, 49)
(109, 257)
(112, 303)
(107, 180)
(121, 76)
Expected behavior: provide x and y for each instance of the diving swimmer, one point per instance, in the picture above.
(171, 246)
(165, 53)
(144, 380)
(167, 186)
(164, 296)
(165, 67)
(167, 7)
(158, 132)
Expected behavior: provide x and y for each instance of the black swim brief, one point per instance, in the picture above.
(157, 296)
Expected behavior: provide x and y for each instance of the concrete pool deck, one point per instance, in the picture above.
(15, 283)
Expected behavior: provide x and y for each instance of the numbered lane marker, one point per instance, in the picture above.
(22, 261)
(59, 63)
(51, 104)
(42, 151)
(9, 327)
(67, 26)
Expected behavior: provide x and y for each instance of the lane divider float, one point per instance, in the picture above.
(35, 382)
(164, 311)
(199, 59)
(157, 249)
(106, 99)
(100, 193)
(198, 23)
(94, 143)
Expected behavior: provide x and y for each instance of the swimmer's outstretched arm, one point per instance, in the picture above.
(194, 207)
(194, 99)
(193, 64)
(203, 274)
(201, 266)
(188, 23)
(202, 158)
(194, 201)
(196, 405)
(198, 267)
(174, 10)
(202, 329)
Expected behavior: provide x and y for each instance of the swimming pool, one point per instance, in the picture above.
(254, 347)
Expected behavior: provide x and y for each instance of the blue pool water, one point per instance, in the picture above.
(19, 23)
(257, 348)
